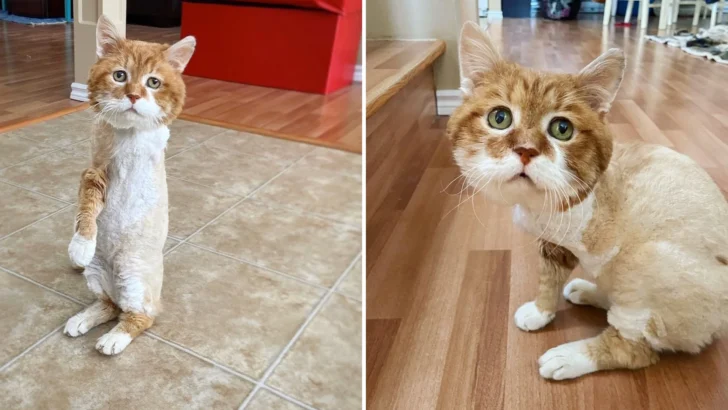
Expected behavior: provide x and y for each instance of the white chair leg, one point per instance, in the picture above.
(721, 6)
(713, 14)
(644, 13)
(665, 14)
(614, 7)
(607, 12)
(696, 15)
(628, 14)
(675, 11)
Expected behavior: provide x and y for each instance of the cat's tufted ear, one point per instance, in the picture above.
(477, 56)
(180, 53)
(107, 36)
(600, 80)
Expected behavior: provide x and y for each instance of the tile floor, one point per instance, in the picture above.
(262, 288)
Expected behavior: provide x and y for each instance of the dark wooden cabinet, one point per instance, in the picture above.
(157, 13)
(36, 8)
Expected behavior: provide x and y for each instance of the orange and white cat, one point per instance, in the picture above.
(647, 224)
(136, 89)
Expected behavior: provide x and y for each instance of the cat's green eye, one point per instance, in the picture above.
(561, 129)
(119, 76)
(500, 118)
(153, 83)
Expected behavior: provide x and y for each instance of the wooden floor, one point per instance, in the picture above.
(445, 273)
(36, 70)
(391, 64)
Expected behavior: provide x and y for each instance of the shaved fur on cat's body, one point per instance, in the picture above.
(122, 222)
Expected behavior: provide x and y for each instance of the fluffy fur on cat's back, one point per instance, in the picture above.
(136, 90)
(648, 225)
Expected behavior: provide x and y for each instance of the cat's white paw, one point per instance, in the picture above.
(81, 250)
(567, 361)
(113, 343)
(77, 326)
(583, 292)
(528, 317)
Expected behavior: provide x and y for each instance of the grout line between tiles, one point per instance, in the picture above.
(19, 276)
(276, 204)
(33, 346)
(53, 149)
(192, 146)
(199, 356)
(5, 181)
(63, 208)
(247, 262)
(287, 397)
(185, 240)
(205, 186)
(269, 371)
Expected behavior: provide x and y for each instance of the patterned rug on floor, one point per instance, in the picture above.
(709, 43)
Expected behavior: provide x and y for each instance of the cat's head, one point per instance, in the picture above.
(135, 84)
(523, 136)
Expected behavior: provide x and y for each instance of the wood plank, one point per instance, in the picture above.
(391, 64)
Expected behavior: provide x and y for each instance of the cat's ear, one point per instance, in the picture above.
(477, 56)
(107, 36)
(180, 53)
(600, 80)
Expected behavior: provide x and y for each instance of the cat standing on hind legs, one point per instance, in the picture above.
(136, 89)
(647, 225)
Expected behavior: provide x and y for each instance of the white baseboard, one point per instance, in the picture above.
(358, 76)
(79, 92)
(447, 101)
(495, 15)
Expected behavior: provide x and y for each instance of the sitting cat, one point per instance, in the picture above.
(647, 224)
(136, 89)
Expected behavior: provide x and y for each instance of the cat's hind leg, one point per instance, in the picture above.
(609, 350)
(583, 292)
(129, 327)
(99, 312)
(91, 196)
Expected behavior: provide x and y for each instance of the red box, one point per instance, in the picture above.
(303, 45)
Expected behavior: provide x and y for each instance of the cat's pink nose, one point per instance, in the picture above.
(133, 97)
(526, 154)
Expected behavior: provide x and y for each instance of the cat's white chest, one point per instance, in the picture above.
(566, 229)
(136, 176)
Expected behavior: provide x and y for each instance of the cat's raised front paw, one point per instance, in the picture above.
(528, 317)
(81, 250)
(567, 361)
(113, 343)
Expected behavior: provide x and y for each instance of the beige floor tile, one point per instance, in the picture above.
(29, 312)
(260, 146)
(61, 131)
(334, 160)
(66, 373)
(265, 400)
(304, 246)
(351, 285)
(333, 195)
(223, 169)
(229, 311)
(184, 134)
(14, 149)
(191, 206)
(19, 208)
(56, 174)
(323, 368)
(40, 252)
